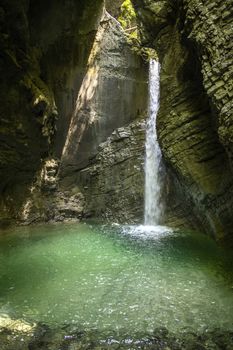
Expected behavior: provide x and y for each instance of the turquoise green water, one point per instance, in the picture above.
(122, 278)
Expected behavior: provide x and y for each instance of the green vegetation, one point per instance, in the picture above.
(127, 19)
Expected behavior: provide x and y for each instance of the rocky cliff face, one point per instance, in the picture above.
(113, 181)
(74, 99)
(42, 45)
(194, 42)
(69, 80)
(113, 94)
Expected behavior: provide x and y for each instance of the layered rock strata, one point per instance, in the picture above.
(194, 42)
(72, 80)
(113, 181)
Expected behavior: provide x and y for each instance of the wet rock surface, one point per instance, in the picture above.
(192, 38)
(69, 81)
(44, 337)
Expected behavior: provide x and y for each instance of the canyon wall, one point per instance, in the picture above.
(193, 39)
(69, 82)
(98, 156)
(74, 103)
(44, 50)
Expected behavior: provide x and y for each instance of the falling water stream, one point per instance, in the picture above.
(87, 286)
(153, 153)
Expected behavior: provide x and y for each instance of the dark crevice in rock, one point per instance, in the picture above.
(194, 79)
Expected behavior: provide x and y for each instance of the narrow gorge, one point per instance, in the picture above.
(75, 105)
(116, 174)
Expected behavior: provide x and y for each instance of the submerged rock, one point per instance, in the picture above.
(16, 325)
(44, 337)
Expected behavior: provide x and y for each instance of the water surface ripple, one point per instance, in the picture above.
(129, 279)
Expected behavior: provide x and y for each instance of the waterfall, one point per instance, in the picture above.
(153, 153)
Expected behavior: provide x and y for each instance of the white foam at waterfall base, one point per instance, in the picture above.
(153, 154)
(148, 231)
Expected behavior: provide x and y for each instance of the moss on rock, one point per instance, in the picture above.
(41, 44)
(192, 38)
